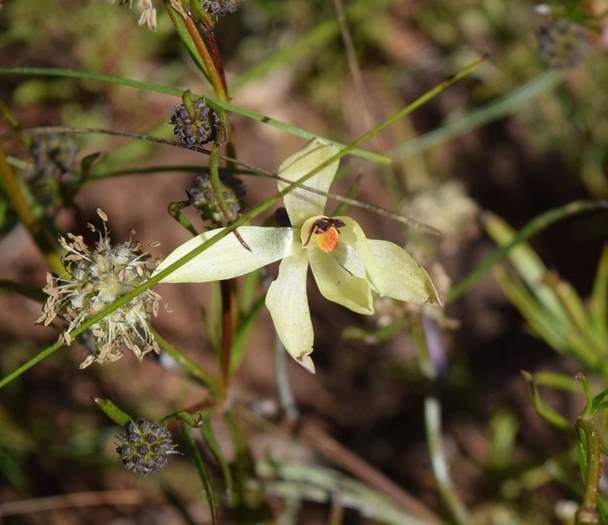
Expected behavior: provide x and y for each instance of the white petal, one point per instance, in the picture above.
(339, 285)
(402, 277)
(392, 271)
(302, 204)
(288, 305)
(228, 258)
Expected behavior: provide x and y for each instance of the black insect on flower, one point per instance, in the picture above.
(562, 43)
(144, 446)
(197, 125)
(220, 8)
(217, 209)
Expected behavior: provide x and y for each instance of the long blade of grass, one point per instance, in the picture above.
(307, 44)
(528, 264)
(532, 228)
(509, 104)
(599, 298)
(171, 91)
(244, 219)
(202, 471)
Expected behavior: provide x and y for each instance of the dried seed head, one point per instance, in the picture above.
(562, 43)
(144, 446)
(210, 205)
(200, 128)
(147, 11)
(220, 8)
(97, 278)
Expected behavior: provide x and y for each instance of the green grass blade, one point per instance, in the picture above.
(212, 443)
(544, 410)
(202, 472)
(307, 44)
(174, 92)
(528, 264)
(535, 226)
(509, 104)
(599, 298)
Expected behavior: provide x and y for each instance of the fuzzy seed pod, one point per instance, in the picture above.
(209, 205)
(200, 128)
(562, 43)
(97, 278)
(144, 446)
(220, 8)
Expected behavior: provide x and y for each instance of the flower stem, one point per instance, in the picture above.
(34, 226)
(587, 513)
(186, 363)
(214, 75)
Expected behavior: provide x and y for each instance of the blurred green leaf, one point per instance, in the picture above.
(212, 443)
(599, 299)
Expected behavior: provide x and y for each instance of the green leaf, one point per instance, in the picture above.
(545, 411)
(202, 472)
(599, 299)
(186, 39)
(112, 411)
(242, 332)
(212, 443)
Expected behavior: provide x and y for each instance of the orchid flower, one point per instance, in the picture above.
(347, 266)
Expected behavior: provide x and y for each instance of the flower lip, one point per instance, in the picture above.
(326, 231)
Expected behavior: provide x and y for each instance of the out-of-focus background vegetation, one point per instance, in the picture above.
(515, 139)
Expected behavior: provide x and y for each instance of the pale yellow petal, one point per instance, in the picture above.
(228, 258)
(392, 271)
(339, 285)
(287, 303)
(302, 204)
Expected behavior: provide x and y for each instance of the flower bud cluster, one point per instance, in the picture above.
(199, 128)
(220, 8)
(210, 206)
(562, 43)
(144, 446)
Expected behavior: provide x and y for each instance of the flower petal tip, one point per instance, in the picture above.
(306, 362)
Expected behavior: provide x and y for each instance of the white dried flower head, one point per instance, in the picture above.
(147, 10)
(97, 278)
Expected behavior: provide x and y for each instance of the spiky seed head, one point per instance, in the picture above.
(562, 43)
(199, 128)
(97, 278)
(144, 446)
(203, 197)
(220, 8)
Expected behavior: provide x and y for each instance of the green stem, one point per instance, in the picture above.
(34, 226)
(533, 227)
(587, 513)
(214, 76)
(187, 364)
(175, 92)
(244, 219)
